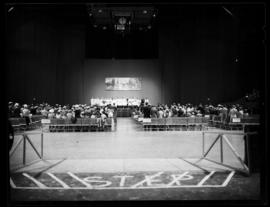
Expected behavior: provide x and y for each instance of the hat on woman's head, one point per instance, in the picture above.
(51, 111)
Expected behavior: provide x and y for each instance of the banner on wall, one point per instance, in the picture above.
(126, 83)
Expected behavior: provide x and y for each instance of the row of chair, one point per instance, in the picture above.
(19, 124)
(174, 123)
(233, 124)
(80, 125)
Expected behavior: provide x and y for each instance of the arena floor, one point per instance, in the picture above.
(154, 160)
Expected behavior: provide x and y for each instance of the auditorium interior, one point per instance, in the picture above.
(167, 92)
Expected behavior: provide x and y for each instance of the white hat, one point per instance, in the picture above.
(51, 111)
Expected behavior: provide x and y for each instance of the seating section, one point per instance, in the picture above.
(19, 124)
(173, 123)
(194, 123)
(239, 124)
(81, 125)
(151, 124)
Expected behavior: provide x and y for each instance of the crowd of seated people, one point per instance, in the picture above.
(60, 111)
(227, 112)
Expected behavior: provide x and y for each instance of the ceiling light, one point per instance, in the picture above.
(104, 27)
(145, 11)
(120, 27)
(100, 10)
(10, 9)
(122, 20)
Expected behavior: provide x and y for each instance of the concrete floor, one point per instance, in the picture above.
(126, 149)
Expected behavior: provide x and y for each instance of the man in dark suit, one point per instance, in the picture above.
(17, 110)
(146, 111)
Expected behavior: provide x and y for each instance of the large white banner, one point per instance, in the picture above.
(113, 83)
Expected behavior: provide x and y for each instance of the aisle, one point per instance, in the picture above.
(126, 125)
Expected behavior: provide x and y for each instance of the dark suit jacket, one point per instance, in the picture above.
(146, 111)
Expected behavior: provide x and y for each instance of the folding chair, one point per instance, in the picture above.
(199, 123)
(68, 125)
(108, 124)
(53, 125)
(181, 123)
(154, 125)
(78, 125)
(18, 124)
(169, 123)
(191, 123)
(60, 125)
(85, 124)
(93, 124)
(205, 123)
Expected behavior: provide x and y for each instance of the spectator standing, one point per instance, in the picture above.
(146, 111)
(69, 114)
(77, 112)
(17, 110)
(26, 114)
(51, 114)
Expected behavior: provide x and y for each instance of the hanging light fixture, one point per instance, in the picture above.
(122, 20)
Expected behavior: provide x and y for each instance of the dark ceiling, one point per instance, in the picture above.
(250, 13)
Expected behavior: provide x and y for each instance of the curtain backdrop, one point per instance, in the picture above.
(202, 53)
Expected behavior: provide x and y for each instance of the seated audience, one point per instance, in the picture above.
(226, 111)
